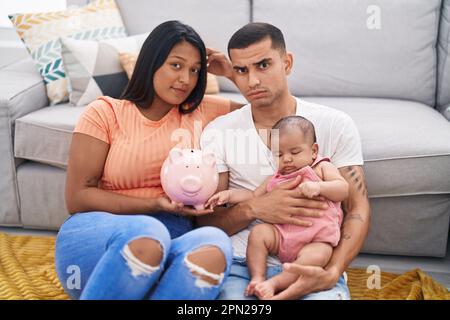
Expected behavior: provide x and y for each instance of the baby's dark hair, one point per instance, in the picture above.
(299, 122)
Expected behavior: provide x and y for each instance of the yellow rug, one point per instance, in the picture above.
(27, 272)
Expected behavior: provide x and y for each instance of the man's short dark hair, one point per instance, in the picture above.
(255, 32)
(298, 122)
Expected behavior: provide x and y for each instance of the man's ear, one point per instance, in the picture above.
(288, 62)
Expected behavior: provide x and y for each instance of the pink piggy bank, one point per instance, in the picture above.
(189, 176)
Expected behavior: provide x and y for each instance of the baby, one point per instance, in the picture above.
(297, 158)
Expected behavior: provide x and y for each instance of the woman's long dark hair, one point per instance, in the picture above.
(153, 53)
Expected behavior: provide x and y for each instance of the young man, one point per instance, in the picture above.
(259, 67)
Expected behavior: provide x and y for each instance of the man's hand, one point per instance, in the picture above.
(310, 279)
(218, 63)
(286, 204)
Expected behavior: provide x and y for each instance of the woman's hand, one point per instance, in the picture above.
(218, 63)
(165, 204)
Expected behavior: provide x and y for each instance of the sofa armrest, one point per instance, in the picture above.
(22, 88)
(22, 91)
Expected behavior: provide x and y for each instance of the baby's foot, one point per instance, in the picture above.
(265, 290)
(250, 290)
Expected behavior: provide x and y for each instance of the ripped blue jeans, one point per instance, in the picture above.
(93, 260)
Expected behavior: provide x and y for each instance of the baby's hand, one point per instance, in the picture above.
(218, 199)
(310, 189)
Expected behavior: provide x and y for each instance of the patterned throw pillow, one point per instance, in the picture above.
(40, 33)
(93, 67)
(128, 61)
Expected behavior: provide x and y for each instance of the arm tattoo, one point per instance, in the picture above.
(354, 216)
(355, 176)
(346, 236)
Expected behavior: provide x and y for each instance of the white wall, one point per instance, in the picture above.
(11, 47)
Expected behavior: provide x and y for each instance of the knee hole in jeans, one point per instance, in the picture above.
(143, 256)
(208, 263)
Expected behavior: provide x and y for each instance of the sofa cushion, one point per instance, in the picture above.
(214, 20)
(405, 145)
(234, 96)
(42, 201)
(443, 89)
(364, 48)
(93, 67)
(415, 225)
(44, 135)
(405, 142)
(41, 32)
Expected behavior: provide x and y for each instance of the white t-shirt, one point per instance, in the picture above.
(240, 150)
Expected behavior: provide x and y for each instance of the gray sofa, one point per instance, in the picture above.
(384, 62)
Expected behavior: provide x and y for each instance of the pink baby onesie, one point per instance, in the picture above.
(324, 229)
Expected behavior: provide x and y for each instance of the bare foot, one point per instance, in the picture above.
(265, 290)
(250, 290)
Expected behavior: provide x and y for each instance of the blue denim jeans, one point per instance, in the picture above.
(92, 261)
(239, 277)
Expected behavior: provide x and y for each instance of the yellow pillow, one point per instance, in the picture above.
(128, 61)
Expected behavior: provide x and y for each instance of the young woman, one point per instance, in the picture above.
(125, 239)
